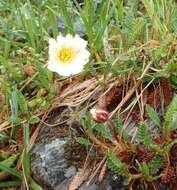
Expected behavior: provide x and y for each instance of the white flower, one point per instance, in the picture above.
(67, 55)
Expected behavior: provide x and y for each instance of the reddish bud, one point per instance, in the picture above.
(99, 115)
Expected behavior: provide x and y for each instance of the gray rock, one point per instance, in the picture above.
(78, 27)
(48, 163)
(70, 172)
(49, 166)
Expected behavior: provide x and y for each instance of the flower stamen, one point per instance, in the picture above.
(65, 55)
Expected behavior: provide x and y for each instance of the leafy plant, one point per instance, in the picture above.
(130, 41)
(171, 116)
(116, 165)
(153, 115)
(144, 135)
(156, 164)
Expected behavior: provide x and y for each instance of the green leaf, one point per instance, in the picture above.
(34, 185)
(144, 169)
(34, 119)
(43, 75)
(14, 107)
(171, 116)
(116, 165)
(105, 15)
(9, 162)
(119, 11)
(13, 184)
(87, 123)
(118, 127)
(155, 148)
(172, 109)
(53, 21)
(22, 102)
(26, 159)
(103, 130)
(162, 50)
(136, 30)
(168, 147)
(149, 5)
(4, 137)
(66, 16)
(118, 124)
(83, 141)
(156, 164)
(12, 171)
(144, 135)
(153, 115)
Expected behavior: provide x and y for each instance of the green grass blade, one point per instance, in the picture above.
(12, 171)
(6, 184)
(35, 186)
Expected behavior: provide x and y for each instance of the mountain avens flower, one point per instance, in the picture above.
(67, 55)
(99, 115)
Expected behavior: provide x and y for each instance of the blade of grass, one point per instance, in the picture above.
(66, 16)
(35, 186)
(10, 184)
(9, 162)
(12, 171)
(25, 155)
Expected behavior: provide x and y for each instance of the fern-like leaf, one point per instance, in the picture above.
(153, 115)
(116, 165)
(156, 164)
(118, 128)
(118, 124)
(171, 115)
(136, 31)
(103, 131)
(144, 135)
(168, 147)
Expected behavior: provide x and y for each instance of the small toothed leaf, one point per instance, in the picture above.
(153, 115)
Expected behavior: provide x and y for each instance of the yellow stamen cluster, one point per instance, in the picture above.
(65, 55)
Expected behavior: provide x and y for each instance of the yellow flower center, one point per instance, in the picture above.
(65, 55)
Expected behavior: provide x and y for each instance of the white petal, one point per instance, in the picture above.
(80, 42)
(51, 66)
(52, 45)
(70, 71)
(65, 70)
(68, 39)
(82, 57)
(52, 42)
(84, 54)
(60, 39)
